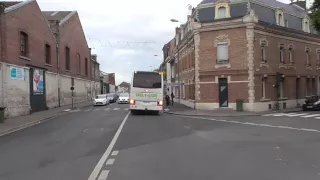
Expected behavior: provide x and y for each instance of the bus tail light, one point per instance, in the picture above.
(132, 102)
(160, 103)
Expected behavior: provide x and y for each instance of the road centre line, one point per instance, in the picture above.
(254, 124)
(106, 154)
(110, 162)
(104, 175)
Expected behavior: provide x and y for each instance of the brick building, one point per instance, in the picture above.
(43, 54)
(260, 51)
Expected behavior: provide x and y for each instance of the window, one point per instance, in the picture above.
(308, 57)
(291, 54)
(47, 54)
(67, 58)
(147, 80)
(281, 88)
(86, 67)
(222, 12)
(263, 88)
(281, 54)
(23, 44)
(306, 25)
(222, 53)
(287, 23)
(263, 54)
(318, 57)
(78, 63)
(280, 19)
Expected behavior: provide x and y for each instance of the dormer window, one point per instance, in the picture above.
(279, 17)
(306, 25)
(222, 10)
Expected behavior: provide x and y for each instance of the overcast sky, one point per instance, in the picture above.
(126, 34)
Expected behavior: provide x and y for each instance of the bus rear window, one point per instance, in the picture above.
(146, 80)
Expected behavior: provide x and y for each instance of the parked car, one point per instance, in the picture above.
(123, 98)
(311, 103)
(112, 97)
(101, 100)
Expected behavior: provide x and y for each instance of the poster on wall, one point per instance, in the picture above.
(38, 81)
(17, 73)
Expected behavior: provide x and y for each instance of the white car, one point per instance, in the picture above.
(123, 98)
(101, 99)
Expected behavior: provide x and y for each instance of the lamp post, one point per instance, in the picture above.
(179, 85)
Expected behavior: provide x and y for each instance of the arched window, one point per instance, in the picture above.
(222, 12)
(280, 19)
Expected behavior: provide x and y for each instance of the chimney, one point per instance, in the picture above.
(300, 3)
(94, 57)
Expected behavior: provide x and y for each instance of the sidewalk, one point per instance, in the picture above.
(17, 123)
(179, 109)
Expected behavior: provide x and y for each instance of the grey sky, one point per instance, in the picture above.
(117, 29)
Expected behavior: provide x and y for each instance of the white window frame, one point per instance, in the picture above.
(279, 17)
(306, 25)
(264, 45)
(224, 12)
(224, 61)
(219, 5)
(291, 61)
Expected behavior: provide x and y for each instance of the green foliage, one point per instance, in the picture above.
(315, 14)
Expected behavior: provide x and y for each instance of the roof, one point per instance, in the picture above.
(13, 5)
(10, 3)
(61, 16)
(289, 8)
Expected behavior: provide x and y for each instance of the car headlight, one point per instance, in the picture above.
(316, 103)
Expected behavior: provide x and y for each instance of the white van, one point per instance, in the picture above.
(146, 92)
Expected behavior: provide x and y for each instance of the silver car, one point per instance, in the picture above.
(101, 100)
(124, 98)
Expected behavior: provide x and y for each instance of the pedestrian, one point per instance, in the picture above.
(167, 100)
(172, 96)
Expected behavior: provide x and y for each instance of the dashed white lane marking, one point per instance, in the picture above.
(114, 153)
(107, 109)
(97, 109)
(254, 124)
(295, 114)
(115, 109)
(104, 175)
(87, 110)
(67, 110)
(106, 154)
(312, 115)
(110, 162)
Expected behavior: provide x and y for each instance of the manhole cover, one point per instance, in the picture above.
(93, 130)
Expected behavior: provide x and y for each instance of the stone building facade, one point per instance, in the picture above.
(43, 55)
(259, 51)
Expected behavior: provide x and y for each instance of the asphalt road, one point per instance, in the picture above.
(64, 148)
(104, 143)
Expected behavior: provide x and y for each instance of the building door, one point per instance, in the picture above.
(37, 90)
(223, 92)
(297, 90)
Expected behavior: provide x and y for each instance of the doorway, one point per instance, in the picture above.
(37, 90)
(223, 92)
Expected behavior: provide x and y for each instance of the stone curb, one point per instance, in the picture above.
(30, 124)
(227, 115)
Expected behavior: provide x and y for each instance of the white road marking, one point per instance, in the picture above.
(97, 109)
(107, 109)
(87, 110)
(295, 114)
(106, 154)
(312, 115)
(254, 124)
(115, 109)
(110, 162)
(67, 110)
(114, 153)
(104, 175)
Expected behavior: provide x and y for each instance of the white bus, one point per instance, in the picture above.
(146, 92)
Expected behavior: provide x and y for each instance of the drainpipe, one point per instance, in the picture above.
(57, 33)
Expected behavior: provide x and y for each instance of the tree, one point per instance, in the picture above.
(315, 14)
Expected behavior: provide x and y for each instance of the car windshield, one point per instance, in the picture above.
(100, 96)
(124, 95)
(147, 80)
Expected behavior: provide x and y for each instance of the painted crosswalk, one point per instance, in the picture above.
(302, 115)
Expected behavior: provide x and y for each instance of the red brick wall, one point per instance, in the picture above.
(30, 20)
(72, 35)
(112, 79)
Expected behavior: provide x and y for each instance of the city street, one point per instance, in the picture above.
(107, 143)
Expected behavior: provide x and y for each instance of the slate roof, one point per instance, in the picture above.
(10, 3)
(272, 3)
(56, 15)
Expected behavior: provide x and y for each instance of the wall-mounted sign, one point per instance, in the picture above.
(38, 84)
(17, 73)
